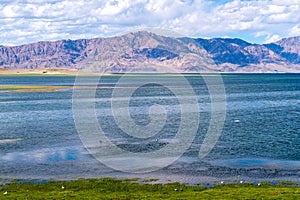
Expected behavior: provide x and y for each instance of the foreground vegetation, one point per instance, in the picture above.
(108, 188)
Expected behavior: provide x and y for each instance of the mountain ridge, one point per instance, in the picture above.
(149, 52)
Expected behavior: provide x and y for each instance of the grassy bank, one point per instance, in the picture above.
(108, 188)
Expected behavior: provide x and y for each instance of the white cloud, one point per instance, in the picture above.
(271, 9)
(114, 7)
(272, 38)
(10, 11)
(294, 31)
(25, 21)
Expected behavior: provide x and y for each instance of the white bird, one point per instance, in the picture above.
(222, 182)
(259, 184)
(62, 187)
(241, 182)
(5, 193)
(175, 189)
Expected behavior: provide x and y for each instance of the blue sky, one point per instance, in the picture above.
(261, 21)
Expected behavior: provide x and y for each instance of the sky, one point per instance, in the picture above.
(260, 21)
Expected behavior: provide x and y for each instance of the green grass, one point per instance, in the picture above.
(108, 188)
(30, 88)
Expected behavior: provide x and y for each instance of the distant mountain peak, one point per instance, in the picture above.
(232, 40)
(148, 51)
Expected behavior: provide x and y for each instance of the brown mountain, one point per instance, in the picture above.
(144, 51)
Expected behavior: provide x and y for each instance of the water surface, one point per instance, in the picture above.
(260, 139)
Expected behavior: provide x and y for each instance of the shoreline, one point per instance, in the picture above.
(153, 180)
(161, 177)
(75, 72)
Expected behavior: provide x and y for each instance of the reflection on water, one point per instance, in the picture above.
(260, 139)
(43, 156)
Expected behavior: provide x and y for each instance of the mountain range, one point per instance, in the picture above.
(149, 52)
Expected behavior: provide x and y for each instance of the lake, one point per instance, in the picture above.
(259, 140)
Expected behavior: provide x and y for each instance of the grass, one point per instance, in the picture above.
(39, 88)
(108, 188)
(29, 88)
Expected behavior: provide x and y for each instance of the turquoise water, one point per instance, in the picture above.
(260, 138)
